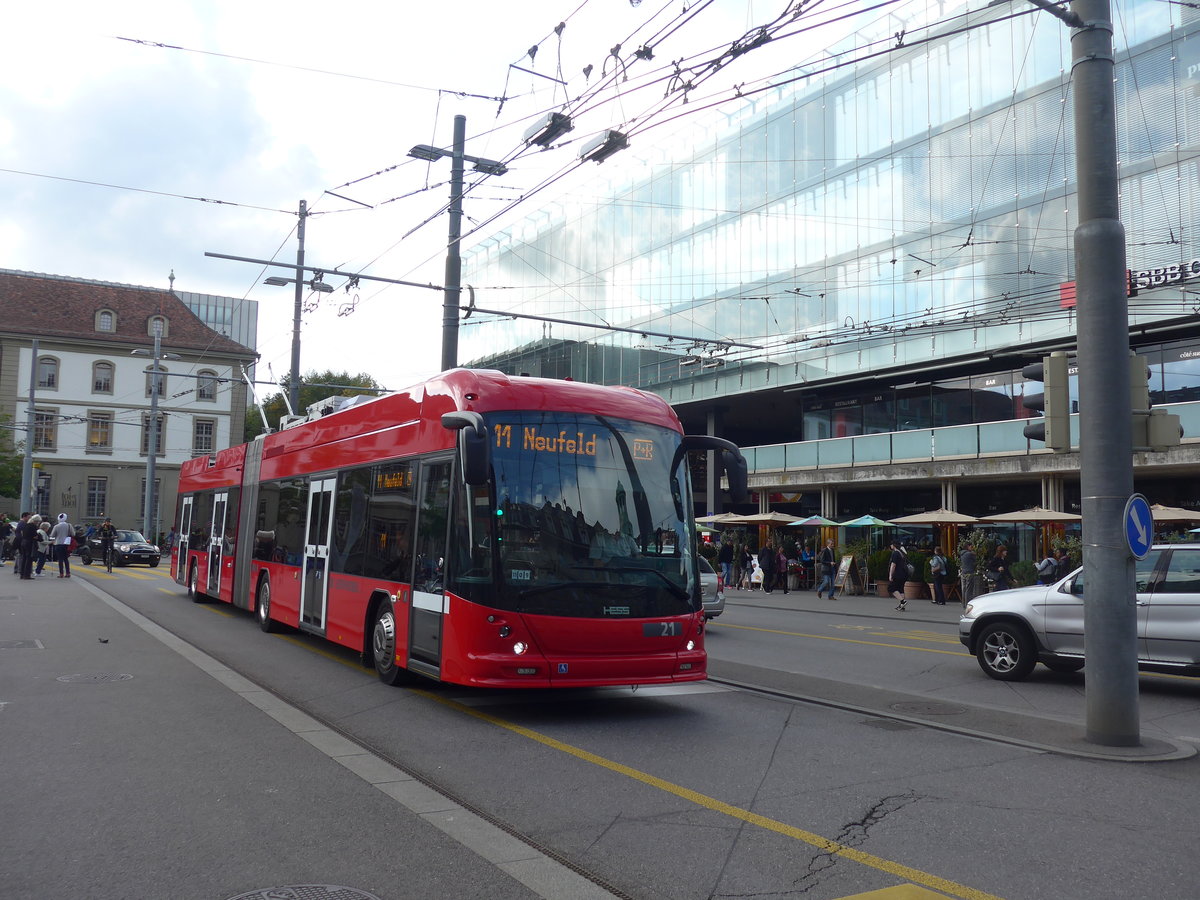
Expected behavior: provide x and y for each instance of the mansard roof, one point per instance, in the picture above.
(55, 306)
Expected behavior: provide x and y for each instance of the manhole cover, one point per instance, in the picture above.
(306, 892)
(918, 708)
(21, 645)
(93, 678)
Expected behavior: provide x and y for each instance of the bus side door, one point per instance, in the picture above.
(428, 595)
(316, 555)
(181, 542)
(215, 537)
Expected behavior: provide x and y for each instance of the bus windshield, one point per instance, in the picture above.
(590, 519)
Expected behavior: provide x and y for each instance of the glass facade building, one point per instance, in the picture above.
(914, 208)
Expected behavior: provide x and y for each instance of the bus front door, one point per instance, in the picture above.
(215, 542)
(181, 541)
(429, 549)
(316, 555)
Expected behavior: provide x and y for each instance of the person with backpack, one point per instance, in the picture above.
(1047, 570)
(938, 568)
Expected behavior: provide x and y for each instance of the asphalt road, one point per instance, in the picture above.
(712, 791)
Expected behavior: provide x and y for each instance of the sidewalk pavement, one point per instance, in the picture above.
(137, 766)
(1033, 731)
(848, 604)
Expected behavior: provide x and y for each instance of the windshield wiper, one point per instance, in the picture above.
(679, 592)
(545, 588)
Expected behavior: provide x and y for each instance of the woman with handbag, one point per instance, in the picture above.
(996, 573)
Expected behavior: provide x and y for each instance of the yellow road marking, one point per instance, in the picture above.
(844, 640)
(898, 870)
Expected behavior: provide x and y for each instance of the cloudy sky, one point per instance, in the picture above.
(114, 150)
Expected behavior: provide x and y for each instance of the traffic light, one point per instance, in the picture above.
(1053, 403)
(1153, 429)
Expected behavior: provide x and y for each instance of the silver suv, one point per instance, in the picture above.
(712, 590)
(1009, 632)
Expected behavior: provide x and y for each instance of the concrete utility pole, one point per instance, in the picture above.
(294, 386)
(1105, 430)
(27, 497)
(450, 299)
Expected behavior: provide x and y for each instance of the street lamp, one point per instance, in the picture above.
(320, 287)
(149, 512)
(453, 289)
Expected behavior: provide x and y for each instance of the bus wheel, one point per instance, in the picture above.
(262, 606)
(193, 583)
(383, 645)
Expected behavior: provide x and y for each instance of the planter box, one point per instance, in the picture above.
(915, 590)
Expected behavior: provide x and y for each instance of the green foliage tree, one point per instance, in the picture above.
(10, 461)
(314, 387)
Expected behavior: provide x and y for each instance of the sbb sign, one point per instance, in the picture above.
(1152, 278)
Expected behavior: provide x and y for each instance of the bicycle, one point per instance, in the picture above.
(108, 558)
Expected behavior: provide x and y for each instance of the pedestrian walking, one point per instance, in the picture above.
(1047, 570)
(781, 568)
(63, 534)
(938, 568)
(44, 548)
(766, 562)
(968, 577)
(825, 570)
(29, 545)
(997, 570)
(898, 574)
(724, 557)
(18, 537)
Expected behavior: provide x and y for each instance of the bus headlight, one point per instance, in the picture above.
(520, 647)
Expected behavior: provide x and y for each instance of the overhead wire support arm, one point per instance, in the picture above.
(1067, 15)
(326, 271)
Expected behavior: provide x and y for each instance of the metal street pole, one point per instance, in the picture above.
(1105, 432)
(30, 421)
(453, 289)
(152, 444)
(294, 378)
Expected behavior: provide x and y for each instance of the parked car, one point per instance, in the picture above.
(1009, 632)
(712, 590)
(128, 548)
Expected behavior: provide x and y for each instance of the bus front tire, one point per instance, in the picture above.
(383, 645)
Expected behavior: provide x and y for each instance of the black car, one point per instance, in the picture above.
(129, 547)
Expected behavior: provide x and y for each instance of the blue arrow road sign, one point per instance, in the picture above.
(1139, 526)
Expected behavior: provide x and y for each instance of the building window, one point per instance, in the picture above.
(47, 372)
(206, 385)
(157, 327)
(45, 429)
(146, 433)
(106, 320)
(41, 498)
(203, 436)
(102, 378)
(97, 497)
(99, 435)
(160, 377)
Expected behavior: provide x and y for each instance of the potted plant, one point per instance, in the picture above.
(914, 587)
(1021, 573)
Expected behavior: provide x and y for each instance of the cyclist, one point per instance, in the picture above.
(107, 534)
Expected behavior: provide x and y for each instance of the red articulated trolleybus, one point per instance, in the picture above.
(478, 529)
